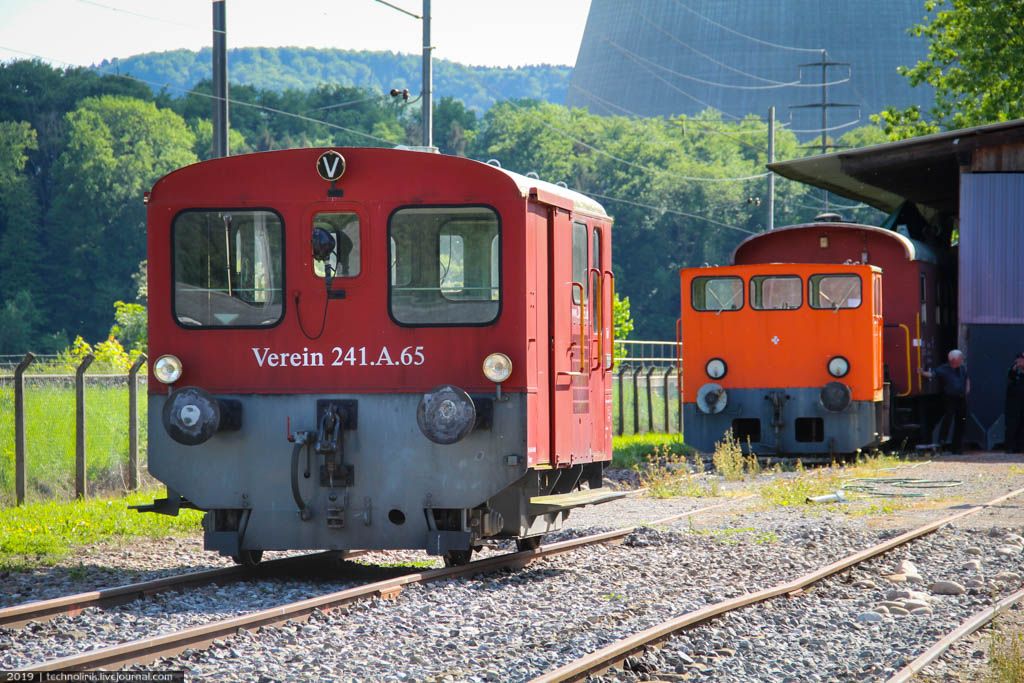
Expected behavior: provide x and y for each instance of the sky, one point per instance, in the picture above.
(477, 32)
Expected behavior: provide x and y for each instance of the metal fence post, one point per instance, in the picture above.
(133, 423)
(80, 480)
(668, 372)
(19, 427)
(636, 400)
(622, 409)
(650, 399)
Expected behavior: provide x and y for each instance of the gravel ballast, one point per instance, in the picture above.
(515, 625)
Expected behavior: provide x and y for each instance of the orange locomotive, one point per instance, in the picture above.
(786, 355)
(796, 357)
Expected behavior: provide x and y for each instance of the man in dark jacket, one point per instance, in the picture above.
(1015, 406)
(953, 386)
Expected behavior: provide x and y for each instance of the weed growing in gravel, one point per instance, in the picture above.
(791, 491)
(43, 533)
(666, 475)
(1006, 658)
(731, 462)
(1016, 469)
(733, 535)
(885, 506)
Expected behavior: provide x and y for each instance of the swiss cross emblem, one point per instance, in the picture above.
(775, 340)
(330, 166)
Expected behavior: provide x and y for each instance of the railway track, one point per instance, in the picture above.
(72, 605)
(617, 652)
(146, 650)
(975, 622)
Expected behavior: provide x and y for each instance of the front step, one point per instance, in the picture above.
(542, 505)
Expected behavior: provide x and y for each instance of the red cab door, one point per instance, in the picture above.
(570, 340)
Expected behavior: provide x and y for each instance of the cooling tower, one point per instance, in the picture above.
(665, 57)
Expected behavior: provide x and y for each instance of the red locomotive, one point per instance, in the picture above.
(373, 348)
(812, 342)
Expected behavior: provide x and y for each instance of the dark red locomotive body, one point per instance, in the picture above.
(376, 348)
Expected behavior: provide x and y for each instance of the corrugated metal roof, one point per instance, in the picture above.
(923, 170)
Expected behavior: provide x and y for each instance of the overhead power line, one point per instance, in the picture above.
(673, 86)
(743, 35)
(686, 122)
(146, 16)
(688, 77)
(676, 40)
(667, 210)
(798, 83)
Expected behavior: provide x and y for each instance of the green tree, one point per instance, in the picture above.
(975, 63)
(454, 125)
(18, 320)
(130, 326)
(116, 148)
(20, 251)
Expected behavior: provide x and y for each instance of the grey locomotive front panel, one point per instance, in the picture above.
(777, 412)
(392, 473)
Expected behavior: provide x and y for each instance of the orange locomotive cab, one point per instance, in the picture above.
(786, 356)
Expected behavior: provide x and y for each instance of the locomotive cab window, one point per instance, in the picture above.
(717, 294)
(228, 268)
(775, 292)
(579, 258)
(344, 228)
(834, 291)
(445, 266)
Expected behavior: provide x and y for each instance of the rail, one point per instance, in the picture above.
(972, 624)
(618, 651)
(146, 650)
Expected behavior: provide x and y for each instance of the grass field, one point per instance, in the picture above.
(632, 449)
(50, 438)
(44, 533)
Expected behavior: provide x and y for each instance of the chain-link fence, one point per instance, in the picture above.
(69, 433)
(645, 388)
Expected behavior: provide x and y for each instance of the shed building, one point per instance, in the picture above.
(963, 192)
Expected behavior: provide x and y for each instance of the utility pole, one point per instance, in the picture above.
(220, 80)
(771, 174)
(824, 105)
(428, 94)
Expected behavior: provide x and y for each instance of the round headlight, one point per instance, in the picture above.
(497, 367)
(716, 368)
(838, 366)
(167, 369)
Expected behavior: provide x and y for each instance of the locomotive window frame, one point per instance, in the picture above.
(813, 279)
(758, 282)
(392, 262)
(283, 261)
(701, 279)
